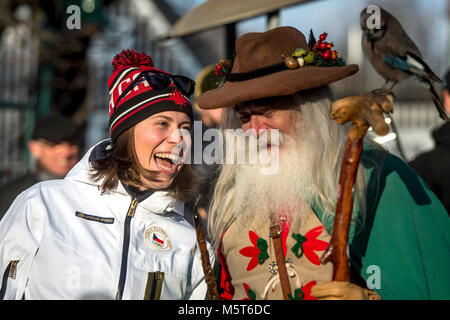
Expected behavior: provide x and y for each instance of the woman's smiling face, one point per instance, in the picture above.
(155, 139)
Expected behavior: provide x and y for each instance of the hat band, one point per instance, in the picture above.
(261, 72)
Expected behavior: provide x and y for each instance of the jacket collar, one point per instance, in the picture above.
(442, 135)
(159, 202)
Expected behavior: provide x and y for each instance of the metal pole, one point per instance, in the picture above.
(230, 40)
(45, 90)
(273, 19)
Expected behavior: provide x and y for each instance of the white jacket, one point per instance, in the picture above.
(63, 239)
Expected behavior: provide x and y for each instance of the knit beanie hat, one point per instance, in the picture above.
(138, 90)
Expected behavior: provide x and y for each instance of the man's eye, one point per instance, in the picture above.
(244, 118)
(268, 113)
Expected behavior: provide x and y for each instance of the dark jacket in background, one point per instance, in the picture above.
(434, 166)
(12, 189)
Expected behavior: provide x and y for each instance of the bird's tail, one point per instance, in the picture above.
(418, 67)
(436, 99)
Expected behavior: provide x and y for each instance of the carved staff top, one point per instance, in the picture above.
(363, 111)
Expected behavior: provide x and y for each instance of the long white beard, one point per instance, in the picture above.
(286, 193)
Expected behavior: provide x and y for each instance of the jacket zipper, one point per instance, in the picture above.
(125, 247)
(10, 272)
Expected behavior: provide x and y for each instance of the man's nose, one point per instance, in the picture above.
(257, 123)
(66, 149)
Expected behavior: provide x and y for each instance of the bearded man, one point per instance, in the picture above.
(399, 234)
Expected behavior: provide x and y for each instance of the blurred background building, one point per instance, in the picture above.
(45, 67)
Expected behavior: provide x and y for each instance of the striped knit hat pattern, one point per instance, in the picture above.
(142, 100)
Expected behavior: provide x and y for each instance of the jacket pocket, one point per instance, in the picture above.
(154, 285)
(10, 273)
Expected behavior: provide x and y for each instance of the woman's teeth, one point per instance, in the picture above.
(170, 156)
(167, 161)
(163, 167)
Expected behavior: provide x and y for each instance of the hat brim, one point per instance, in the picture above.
(281, 83)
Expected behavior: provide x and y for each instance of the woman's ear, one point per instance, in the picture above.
(35, 148)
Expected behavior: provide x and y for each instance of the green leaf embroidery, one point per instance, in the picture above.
(251, 294)
(261, 244)
(297, 249)
(298, 294)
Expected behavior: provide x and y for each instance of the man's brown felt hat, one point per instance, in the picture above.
(261, 49)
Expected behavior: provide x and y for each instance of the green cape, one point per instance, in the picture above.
(405, 241)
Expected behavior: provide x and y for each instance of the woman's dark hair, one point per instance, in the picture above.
(121, 164)
(447, 80)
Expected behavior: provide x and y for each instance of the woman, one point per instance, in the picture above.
(114, 227)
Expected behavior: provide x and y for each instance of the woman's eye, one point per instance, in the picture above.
(185, 128)
(163, 124)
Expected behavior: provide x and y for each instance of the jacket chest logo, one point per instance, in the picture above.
(94, 218)
(157, 238)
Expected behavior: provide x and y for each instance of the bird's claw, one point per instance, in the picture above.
(384, 92)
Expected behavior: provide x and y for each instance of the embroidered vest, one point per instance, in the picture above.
(250, 258)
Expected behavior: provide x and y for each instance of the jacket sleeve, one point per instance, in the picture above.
(20, 232)
(403, 250)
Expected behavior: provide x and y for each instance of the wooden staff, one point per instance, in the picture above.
(363, 111)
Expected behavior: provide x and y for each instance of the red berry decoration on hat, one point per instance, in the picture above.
(325, 56)
(321, 55)
(223, 69)
(219, 70)
(130, 58)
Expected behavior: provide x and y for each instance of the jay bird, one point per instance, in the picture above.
(396, 57)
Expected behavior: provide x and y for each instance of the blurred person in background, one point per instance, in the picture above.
(55, 149)
(434, 166)
(206, 173)
(207, 80)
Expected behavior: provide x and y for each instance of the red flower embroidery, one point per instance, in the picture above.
(307, 290)
(304, 293)
(257, 252)
(178, 98)
(308, 243)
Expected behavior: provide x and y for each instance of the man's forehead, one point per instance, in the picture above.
(281, 102)
(57, 143)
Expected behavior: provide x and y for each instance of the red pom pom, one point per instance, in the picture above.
(130, 58)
